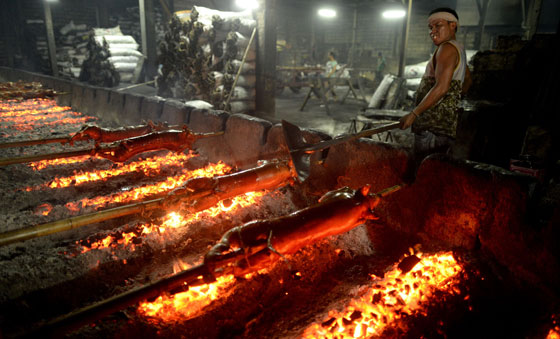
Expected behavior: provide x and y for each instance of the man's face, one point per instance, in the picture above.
(441, 30)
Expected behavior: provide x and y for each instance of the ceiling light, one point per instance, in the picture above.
(327, 13)
(394, 13)
(247, 4)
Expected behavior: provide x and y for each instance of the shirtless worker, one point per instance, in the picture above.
(447, 77)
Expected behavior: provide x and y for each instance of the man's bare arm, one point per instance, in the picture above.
(446, 60)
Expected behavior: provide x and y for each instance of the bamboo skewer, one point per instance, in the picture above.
(196, 275)
(267, 176)
(101, 151)
(24, 143)
(39, 157)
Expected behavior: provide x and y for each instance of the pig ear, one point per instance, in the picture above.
(365, 190)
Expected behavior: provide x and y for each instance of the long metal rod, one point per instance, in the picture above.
(266, 176)
(84, 316)
(241, 67)
(44, 141)
(135, 85)
(406, 28)
(34, 142)
(39, 157)
(50, 37)
(75, 222)
(192, 276)
(103, 152)
(166, 9)
(324, 144)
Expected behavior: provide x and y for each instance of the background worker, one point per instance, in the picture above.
(330, 69)
(381, 63)
(447, 77)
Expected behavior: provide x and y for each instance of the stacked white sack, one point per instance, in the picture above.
(123, 49)
(71, 48)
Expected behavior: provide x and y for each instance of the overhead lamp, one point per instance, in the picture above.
(247, 4)
(395, 13)
(327, 13)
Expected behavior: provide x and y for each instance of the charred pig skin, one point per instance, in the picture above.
(106, 135)
(337, 212)
(176, 141)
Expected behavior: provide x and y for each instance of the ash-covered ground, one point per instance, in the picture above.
(51, 276)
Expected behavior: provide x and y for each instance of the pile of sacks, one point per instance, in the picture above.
(129, 22)
(113, 58)
(200, 57)
(71, 49)
(36, 45)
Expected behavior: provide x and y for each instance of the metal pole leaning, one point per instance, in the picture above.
(240, 67)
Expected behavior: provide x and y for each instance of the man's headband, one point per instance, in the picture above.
(445, 16)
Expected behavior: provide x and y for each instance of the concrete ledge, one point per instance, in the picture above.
(47, 81)
(6, 74)
(245, 135)
(101, 103)
(66, 87)
(131, 113)
(152, 109)
(175, 112)
(358, 163)
(470, 205)
(206, 121)
(115, 107)
(25, 76)
(88, 100)
(77, 96)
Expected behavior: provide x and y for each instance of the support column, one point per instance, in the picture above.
(148, 30)
(404, 42)
(354, 28)
(7, 27)
(50, 37)
(102, 14)
(533, 15)
(482, 11)
(266, 58)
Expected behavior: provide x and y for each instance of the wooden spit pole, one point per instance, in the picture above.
(267, 176)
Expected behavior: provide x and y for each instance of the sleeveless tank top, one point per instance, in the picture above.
(442, 117)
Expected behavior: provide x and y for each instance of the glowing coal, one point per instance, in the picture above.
(387, 299)
(151, 166)
(172, 220)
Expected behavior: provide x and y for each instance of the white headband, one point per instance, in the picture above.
(445, 16)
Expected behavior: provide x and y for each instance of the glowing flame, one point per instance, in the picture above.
(387, 299)
(43, 209)
(36, 111)
(29, 126)
(554, 332)
(27, 115)
(142, 192)
(240, 201)
(172, 220)
(149, 166)
(11, 108)
(40, 165)
(184, 305)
